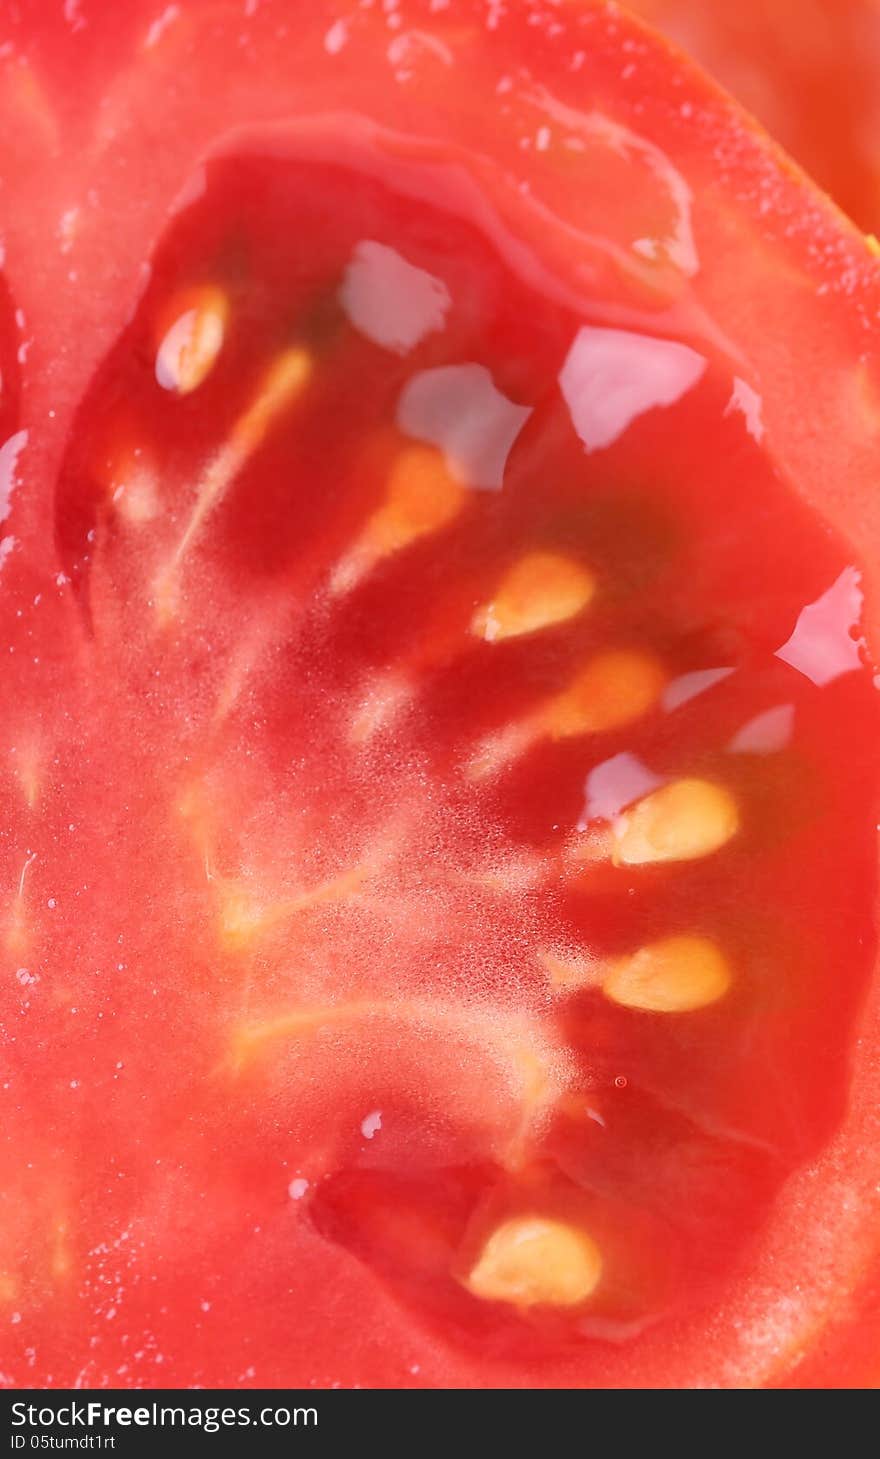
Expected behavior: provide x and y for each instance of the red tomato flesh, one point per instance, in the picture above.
(391, 918)
(807, 69)
(443, 777)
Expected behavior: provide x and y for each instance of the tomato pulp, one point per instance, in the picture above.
(441, 891)
(808, 72)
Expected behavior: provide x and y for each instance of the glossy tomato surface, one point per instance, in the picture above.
(321, 899)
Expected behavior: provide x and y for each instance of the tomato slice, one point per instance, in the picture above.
(441, 760)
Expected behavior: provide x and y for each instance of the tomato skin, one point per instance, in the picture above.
(777, 264)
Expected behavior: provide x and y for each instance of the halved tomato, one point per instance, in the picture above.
(440, 729)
